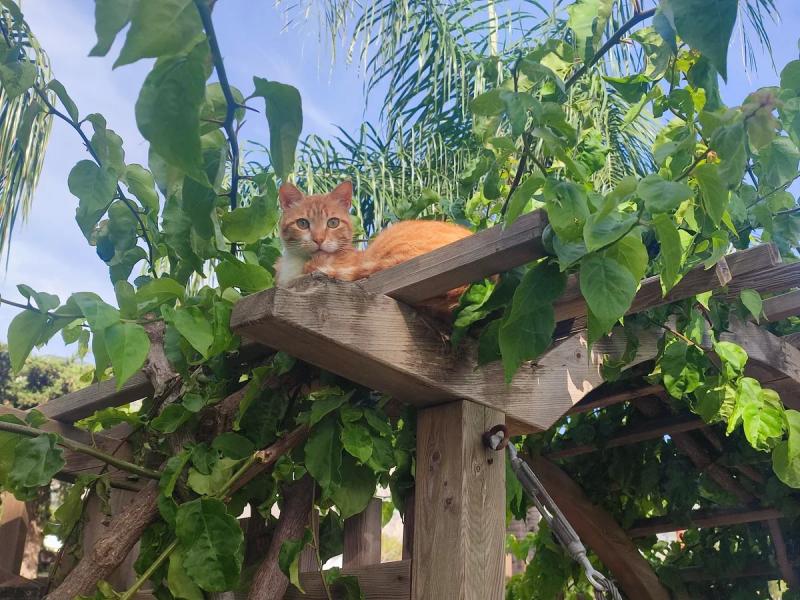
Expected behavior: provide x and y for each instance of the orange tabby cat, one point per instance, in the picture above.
(317, 236)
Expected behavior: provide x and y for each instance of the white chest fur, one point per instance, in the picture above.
(291, 267)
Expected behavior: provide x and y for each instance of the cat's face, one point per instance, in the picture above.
(318, 223)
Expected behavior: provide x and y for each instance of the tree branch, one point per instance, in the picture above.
(123, 465)
(208, 24)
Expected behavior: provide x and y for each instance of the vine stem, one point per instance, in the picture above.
(149, 572)
(231, 105)
(573, 79)
(123, 465)
(127, 201)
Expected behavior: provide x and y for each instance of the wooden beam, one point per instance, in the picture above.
(788, 573)
(702, 519)
(782, 306)
(459, 537)
(13, 532)
(362, 537)
(700, 574)
(765, 347)
(486, 253)
(77, 463)
(633, 435)
(600, 532)
(775, 279)
(386, 581)
(104, 394)
(385, 345)
(737, 265)
(603, 398)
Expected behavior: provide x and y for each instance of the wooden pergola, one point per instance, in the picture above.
(454, 536)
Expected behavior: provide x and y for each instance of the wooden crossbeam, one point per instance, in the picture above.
(486, 253)
(633, 435)
(702, 519)
(783, 306)
(729, 269)
(385, 345)
(78, 463)
(788, 572)
(776, 279)
(104, 394)
(604, 398)
(385, 581)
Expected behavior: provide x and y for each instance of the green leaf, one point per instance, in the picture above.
(159, 28)
(786, 455)
(251, 223)
(289, 557)
(488, 104)
(588, 18)
(64, 98)
(778, 162)
(232, 272)
(669, 241)
(356, 489)
(172, 417)
(24, 332)
(714, 192)
(168, 109)
(69, 513)
(730, 144)
(567, 208)
(110, 16)
(141, 184)
(605, 227)
(323, 452)
(172, 472)
(233, 445)
(660, 195)
(36, 461)
(127, 345)
(608, 287)
(180, 585)
(212, 543)
(157, 292)
(94, 188)
(790, 76)
(98, 313)
(521, 196)
(732, 354)
(193, 325)
(357, 440)
(631, 253)
(753, 303)
(705, 26)
(284, 112)
(324, 402)
(527, 329)
(763, 419)
(17, 74)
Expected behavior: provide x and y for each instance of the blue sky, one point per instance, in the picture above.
(50, 254)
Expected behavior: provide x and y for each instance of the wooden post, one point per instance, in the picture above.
(308, 557)
(460, 505)
(13, 531)
(362, 537)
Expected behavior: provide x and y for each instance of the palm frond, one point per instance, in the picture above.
(24, 130)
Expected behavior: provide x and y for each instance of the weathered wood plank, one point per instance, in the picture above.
(600, 532)
(385, 345)
(775, 279)
(13, 532)
(78, 463)
(766, 348)
(603, 398)
(633, 435)
(788, 573)
(730, 268)
(459, 516)
(702, 519)
(362, 537)
(104, 394)
(386, 581)
(486, 253)
(782, 306)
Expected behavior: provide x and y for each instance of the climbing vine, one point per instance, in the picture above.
(188, 235)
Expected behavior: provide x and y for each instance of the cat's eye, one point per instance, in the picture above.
(333, 223)
(303, 223)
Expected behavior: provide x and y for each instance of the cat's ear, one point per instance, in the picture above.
(342, 194)
(289, 195)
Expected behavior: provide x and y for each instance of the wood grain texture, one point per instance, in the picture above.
(78, 463)
(765, 348)
(459, 516)
(775, 279)
(13, 532)
(83, 403)
(649, 430)
(308, 556)
(387, 581)
(486, 253)
(600, 532)
(782, 306)
(702, 519)
(604, 397)
(362, 537)
(383, 344)
(788, 572)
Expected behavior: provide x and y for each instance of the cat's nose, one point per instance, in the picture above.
(318, 240)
